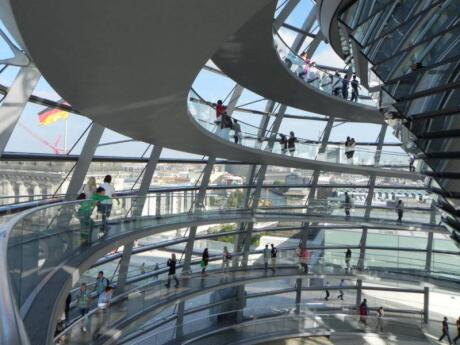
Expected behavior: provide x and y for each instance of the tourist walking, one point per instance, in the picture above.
(354, 89)
(172, 271)
(445, 330)
(341, 285)
(274, 252)
(89, 188)
(204, 260)
(347, 148)
(306, 65)
(399, 210)
(380, 315)
(352, 149)
(291, 143)
(105, 205)
(83, 305)
(226, 257)
(226, 125)
(336, 85)
(267, 255)
(363, 312)
(458, 330)
(283, 143)
(327, 291)
(345, 83)
(302, 254)
(348, 260)
(103, 314)
(347, 205)
(101, 283)
(237, 129)
(220, 109)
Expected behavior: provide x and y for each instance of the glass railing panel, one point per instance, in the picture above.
(315, 76)
(269, 141)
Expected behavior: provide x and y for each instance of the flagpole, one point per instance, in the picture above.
(65, 137)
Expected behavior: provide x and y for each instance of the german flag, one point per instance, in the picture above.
(51, 115)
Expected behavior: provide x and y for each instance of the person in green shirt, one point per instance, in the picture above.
(85, 211)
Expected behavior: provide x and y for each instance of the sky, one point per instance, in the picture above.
(30, 136)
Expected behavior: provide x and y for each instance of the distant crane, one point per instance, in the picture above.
(54, 147)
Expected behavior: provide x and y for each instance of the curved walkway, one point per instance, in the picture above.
(250, 58)
(120, 78)
(64, 258)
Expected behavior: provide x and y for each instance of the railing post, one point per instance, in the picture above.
(359, 292)
(426, 304)
(124, 267)
(429, 253)
(362, 249)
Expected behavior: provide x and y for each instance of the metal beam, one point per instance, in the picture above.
(370, 194)
(284, 13)
(147, 178)
(199, 204)
(84, 161)
(15, 101)
(314, 44)
(137, 211)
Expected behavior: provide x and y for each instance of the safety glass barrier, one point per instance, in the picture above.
(282, 143)
(278, 322)
(310, 73)
(42, 238)
(148, 298)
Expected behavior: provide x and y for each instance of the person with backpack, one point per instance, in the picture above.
(274, 252)
(101, 283)
(172, 271)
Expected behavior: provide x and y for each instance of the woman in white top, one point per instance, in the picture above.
(106, 205)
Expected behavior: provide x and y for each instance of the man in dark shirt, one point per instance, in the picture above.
(354, 89)
(274, 251)
(445, 330)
